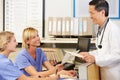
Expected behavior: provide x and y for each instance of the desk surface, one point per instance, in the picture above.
(67, 79)
(61, 40)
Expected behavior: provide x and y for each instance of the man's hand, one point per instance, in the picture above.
(87, 57)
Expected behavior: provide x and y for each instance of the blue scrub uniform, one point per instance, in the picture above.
(23, 60)
(7, 70)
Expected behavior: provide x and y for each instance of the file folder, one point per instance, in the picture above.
(63, 27)
(54, 27)
(90, 26)
(50, 24)
(76, 26)
(80, 27)
(85, 26)
(67, 25)
(72, 27)
(59, 26)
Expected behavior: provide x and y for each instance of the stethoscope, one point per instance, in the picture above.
(100, 44)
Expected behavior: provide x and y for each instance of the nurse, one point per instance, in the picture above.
(31, 59)
(7, 70)
(107, 55)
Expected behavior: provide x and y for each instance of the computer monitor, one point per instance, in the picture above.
(83, 44)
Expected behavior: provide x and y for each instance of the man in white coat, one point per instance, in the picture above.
(107, 55)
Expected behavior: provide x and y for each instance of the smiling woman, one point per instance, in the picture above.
(7, 70)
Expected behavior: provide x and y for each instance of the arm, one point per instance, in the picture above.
(23, 77)
(51, 68)
(33, 72)
(58, 69)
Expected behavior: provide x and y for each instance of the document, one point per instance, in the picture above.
(74, 54)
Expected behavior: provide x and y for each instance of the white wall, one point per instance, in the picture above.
(62, 8)
(1, 15)
(55, 8)
(58, 8)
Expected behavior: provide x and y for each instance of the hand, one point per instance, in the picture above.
(69, 73)
(53, 77)
(59, 67)
(87, 57)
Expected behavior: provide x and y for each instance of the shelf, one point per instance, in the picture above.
(61, 40)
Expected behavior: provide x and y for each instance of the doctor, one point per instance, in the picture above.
(107, 55)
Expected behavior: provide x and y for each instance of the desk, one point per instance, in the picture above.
(67, 79)
(62, 40)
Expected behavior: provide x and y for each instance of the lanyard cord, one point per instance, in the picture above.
(103, 32)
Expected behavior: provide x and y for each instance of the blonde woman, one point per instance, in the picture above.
(7, 70)
(31, 59)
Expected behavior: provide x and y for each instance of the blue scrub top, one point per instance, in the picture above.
(23, 60)
(7, 70)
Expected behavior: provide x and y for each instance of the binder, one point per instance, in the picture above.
(72, 26)
(50, 24)
(54, 26)
(90, 26)
(59, 26)
(67, 25)
(76, 26)
(80, 27)
(63, 27)
(89, 72)
(85, 26)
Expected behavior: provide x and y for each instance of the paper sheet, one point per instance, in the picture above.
(74, 54)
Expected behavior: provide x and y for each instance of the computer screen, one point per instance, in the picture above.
(83, 44)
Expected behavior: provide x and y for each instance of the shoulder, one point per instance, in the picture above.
(113, 27)
(4, 62)
(22, 52)
(39, 50)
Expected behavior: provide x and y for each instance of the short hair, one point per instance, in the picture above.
(27, 35)
(5, 37)
(100, 5)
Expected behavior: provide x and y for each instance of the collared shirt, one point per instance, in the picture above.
(103, 26)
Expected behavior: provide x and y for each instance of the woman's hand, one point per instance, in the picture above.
(69, 73)
(52, 77)
(59, 67)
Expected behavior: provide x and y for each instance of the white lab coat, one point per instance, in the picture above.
(108, 57)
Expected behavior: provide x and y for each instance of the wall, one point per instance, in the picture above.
(1, 15)
(63, 9)
(54, 9)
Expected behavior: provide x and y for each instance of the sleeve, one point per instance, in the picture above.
(21, 62)
(111, 55)
(11, 72)
(93, 52)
